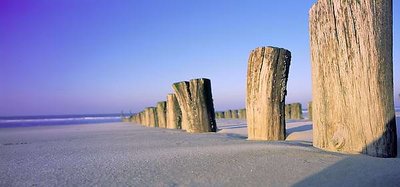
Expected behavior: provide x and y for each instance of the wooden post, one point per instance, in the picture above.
(235, 114)
(196, 103)
(352, 74)
(147, 117)
(162, 114)
(153, 118)
(310, 110)
(142, 118)
(296, 111)
(228, 114)
(267, 75)
(219, 115)
(125, 119)
(174, 114)
(242, 114)
(133, 118)
(288, 111)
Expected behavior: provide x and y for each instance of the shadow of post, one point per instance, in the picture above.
(298, 129)
(361, 170)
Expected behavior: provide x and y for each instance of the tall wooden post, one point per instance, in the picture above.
(267, 75)
(352, 74)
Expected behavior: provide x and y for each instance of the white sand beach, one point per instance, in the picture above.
(125, 154)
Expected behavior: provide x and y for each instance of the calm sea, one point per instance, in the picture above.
(29, 121)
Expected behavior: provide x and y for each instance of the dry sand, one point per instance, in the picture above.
(122, 154)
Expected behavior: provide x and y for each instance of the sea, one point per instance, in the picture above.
(53, 120)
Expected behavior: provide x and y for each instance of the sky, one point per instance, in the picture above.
(98, 56)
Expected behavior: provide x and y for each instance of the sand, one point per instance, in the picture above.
(124, 154)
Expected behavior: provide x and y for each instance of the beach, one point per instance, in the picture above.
(126, 154)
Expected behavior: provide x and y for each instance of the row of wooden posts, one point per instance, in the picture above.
(190, 108)
(292, 111)
(352, 82)
(231, 114)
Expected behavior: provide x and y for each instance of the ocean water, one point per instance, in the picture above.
(29, 121)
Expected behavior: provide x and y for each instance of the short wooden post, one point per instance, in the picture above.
(296, 111)
(228, 114)
(174, 114)
(288, 111)
(196, 103)
(242, 114)
(162, 114)
(235, 114)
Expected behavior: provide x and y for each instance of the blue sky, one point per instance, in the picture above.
(96, 56)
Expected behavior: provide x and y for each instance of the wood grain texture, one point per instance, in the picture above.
(267, 75)
(296, 111)
(151, 117)
(161, 109)
(228, 114)
(235, 114)
(288, 111)
(174, 114)
(352, 76)
(142, 118)
(242, 114)
(219, 115)
(196, 103)
(310, 111)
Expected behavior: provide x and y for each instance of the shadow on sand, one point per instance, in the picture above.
(306, 127)
(244, 125)
(360, 170)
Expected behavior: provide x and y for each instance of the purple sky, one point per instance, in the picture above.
(97, 56)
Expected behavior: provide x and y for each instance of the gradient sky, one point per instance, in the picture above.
(97, 56)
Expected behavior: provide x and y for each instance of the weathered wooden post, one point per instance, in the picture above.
(228, 114)
(133, 118)
(296, 111)
(153, 118)
(196, 103)
(142, 118)
(137, 118)
(235, 114)
(310, 110)
(288, 111)
(219, 115)
(352, 74)
(162, 114)
(147, 117)
(126, 119)
(174, 114)
(267, 75)
(242, 113)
